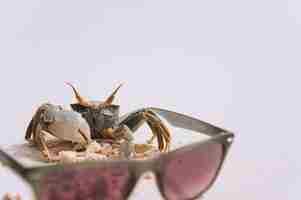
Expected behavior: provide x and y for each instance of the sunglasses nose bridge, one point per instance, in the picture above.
(144, 166)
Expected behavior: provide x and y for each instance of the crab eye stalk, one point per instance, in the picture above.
(111, 98)
(79, 98)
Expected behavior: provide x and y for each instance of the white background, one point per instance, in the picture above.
(233, 63)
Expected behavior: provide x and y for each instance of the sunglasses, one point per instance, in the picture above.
(182, 174)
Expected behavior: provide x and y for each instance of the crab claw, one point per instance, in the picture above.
(82, 101)
(70, 126)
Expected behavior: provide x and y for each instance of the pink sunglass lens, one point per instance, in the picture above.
(85, 184)
(189, 173)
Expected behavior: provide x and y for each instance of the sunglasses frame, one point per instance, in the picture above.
(136, 168)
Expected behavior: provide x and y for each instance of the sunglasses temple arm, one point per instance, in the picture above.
(186, 122)
(7, 160)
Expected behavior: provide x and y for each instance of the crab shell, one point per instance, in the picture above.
(68, 125)
(98, 118)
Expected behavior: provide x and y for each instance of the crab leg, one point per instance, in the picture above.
(32, 127)
(126, 146)
(28, 133)
(43, 142)
(40, 139)
(159, 130)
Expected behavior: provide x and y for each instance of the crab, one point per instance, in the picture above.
(95, 120)
(105, 122)
(58, 122)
